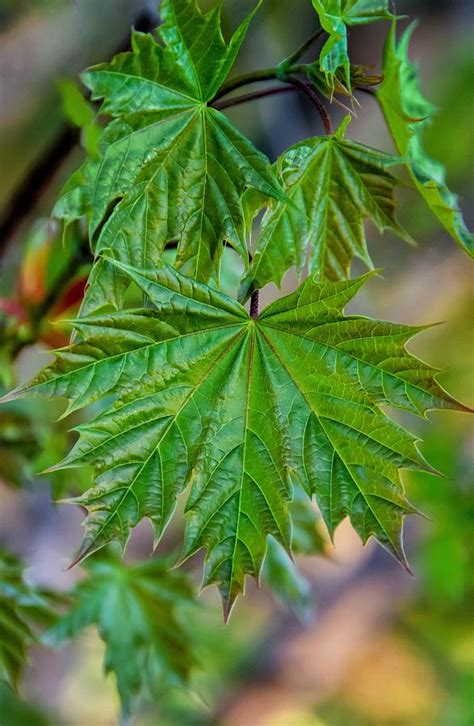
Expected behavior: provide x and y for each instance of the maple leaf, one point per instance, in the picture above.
(240, 409)
(137, 613)
(335, 16)
(175, 167)
(333, 186)
(407, 113)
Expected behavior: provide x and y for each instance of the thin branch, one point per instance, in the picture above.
(299, 52)
(275, 90)
(29, 192)
(268, 74)
(265, 74)
(307, 89)
(25, 198)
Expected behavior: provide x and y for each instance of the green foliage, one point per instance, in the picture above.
(360, 76)
(333, 186)
(21, 607)
(175, 167)
(80, 113)
(15, 711)
(252, 415)
(239, 409)
(407, 114)
(18, 445)
(335, 16)
(280, 571)
(137, 612)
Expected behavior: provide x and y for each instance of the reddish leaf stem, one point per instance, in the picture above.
(254, 304)
(307, 89)
(274, 90)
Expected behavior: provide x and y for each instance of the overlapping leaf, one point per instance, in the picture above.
(280, 572)
(136, 610)
(239, 409)
(335, 16)
(407, 112)
(176, 166)
(333, 186)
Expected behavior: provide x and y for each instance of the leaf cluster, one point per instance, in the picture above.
(253, 416)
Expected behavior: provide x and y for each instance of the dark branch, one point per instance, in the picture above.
(307, 89)
(269, 74)
(299, 52)
(265, 74)
(228, 103)
(24, 200)
(32, 188)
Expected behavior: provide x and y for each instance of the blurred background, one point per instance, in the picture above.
(364, 643)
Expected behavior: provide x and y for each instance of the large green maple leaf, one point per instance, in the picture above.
(333, 186)
(407, 113)
(137, 613)
(176, 166)
(239, 409)
(335, 16)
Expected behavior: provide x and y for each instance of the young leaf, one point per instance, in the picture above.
(334, 186)
(335, 16)
(407, 113)
(136, 610)
(176, 166)
(239, 409)
(360, 75)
